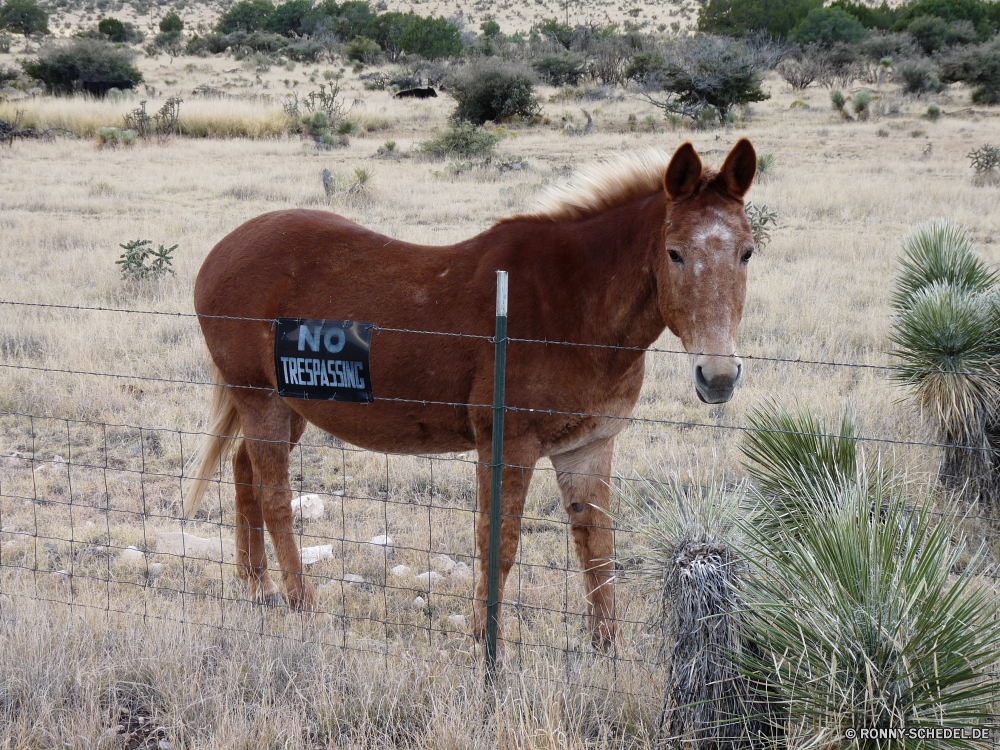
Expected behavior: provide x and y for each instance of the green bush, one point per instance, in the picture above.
(837, 99)
(363, 50)
(306, 50)
(861, 103)
(492, 91)
(212, 43)
(431, 38)
(741, 17)
(933, 112)
(559, 70)
(643, 65)
(23, 17)
(977, 66)
(171, 23)
(933, 33)
(112, 28)
(917, 75)
(463, 140)
(557, 32)
(291, 18)
(880, 17)
(827, 26)
(133, 262)
(246, 15)
(63, 68)
(981, 14)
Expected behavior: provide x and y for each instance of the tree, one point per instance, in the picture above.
(975, 65)
(560, 32)
(24, 17)
(387, 30)
(432, 38)
(882, 17)
(353, 19)
(710, 71)
(112, 28)
(291, 18)
(932, 33)
(246, 15)
(64, 69)
(742, 17)
(171, 23)
(492, 91)
(827, 26)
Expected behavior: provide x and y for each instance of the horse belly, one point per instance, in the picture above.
(392, 427)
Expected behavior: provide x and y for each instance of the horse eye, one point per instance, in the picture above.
(676, 257)
(747, 255)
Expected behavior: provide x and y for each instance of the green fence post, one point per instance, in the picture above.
(496, 476)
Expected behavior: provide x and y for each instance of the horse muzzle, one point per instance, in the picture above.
(716, 377)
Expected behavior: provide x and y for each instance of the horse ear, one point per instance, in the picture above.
(683, 174)
(739, 170)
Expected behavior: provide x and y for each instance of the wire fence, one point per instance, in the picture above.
(90, 519)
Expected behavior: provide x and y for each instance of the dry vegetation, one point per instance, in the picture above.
(177, 644)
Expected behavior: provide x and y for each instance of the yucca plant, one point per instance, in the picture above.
(948, 343)
(801, 466)
(864, 627)
(688, 532)
(941, 251)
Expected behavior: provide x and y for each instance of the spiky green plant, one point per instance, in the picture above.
(939, 251)
(867, 627)
(688, 532)
(801, 466)
(948, 343)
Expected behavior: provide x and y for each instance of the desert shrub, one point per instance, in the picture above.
(804, 67)
(976, 13)
(880, 17)
(8, 75)
(838, 100)
(162, 123)
(985, 162)
(917, 76)
(946, 337)
(305, 50)
(762, 220)
(827, 26)
(559, 70)
(492, 91)
(23, 17)
(933, 112)
(258, 42)
(861, 103)
(977, 66)
(643, 65)
(841, 64)
(557, 32)
(246, 15)
(63, 68)
(140, 261)
(933, 33)
(116, 136)
(212, 43)
(5, 42)
(705, 71)
(171, 22)
(898, 46)
(363, 50)
(431, 38)
(171, 42)
(742, 17)
(462, 140)
(112, 28)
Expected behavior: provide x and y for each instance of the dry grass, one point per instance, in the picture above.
(845, 196)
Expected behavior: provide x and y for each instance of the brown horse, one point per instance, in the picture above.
(637, 245)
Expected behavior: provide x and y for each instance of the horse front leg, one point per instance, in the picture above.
(517, 471)
(583, 477)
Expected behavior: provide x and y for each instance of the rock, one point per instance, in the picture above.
(308, 507)
(429, 577)
(132, 557)
(164, 745)
(381, 541)
(155, 570)
(311, 555)
(58, 460)
(181, 544)
(442, 564)
(353, 578)
(462, 572)
(457, 621)
(401, 571)
(419, 603)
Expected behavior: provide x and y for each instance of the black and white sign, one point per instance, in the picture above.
(323, 359)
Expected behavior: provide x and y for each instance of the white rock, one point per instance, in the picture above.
(442, 564)
(164, 745)
(132, 557)
(155, 570)
(381, 541)
(429, 577)
(309, 507)
(401, 571)
(58, 460)
(337, 493)
(353, 578)
(457, 621)
(311, 555)
(462, 571)
(179, 543)
(419, 603)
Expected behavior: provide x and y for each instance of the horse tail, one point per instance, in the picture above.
(216, 446)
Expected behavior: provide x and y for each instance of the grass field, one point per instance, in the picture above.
(173, 653)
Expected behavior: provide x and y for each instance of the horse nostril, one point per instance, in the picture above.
(699, 377)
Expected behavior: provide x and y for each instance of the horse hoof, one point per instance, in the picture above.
(274, 601)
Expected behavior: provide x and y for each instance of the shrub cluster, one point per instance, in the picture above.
(65, 68)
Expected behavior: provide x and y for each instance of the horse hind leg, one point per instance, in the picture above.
(271, 434)
(583, 477)
(251, 557)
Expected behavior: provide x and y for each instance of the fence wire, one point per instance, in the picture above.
(90, 519)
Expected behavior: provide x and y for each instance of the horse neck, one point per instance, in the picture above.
(606, 263)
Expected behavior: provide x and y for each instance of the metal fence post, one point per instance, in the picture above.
(496, 476)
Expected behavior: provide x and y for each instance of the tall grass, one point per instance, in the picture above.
(84, 116)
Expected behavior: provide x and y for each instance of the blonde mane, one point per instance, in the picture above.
(598, 187)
